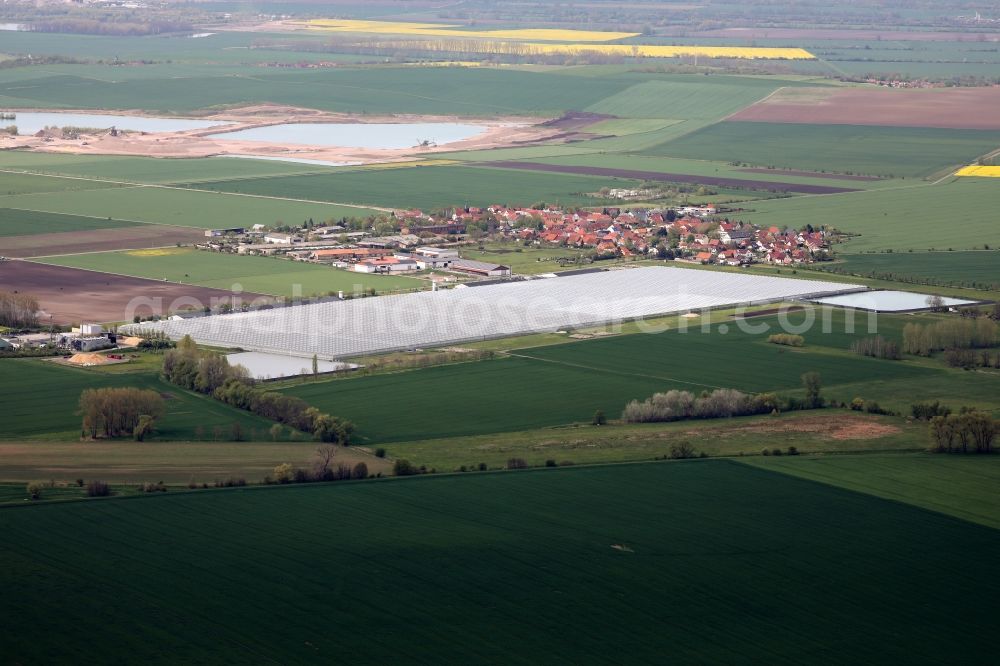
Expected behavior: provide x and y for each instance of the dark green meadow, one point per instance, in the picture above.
(41, 401)
(566, 383)
(859, 149)
(683, 562)
(15, 222)
(430, 187)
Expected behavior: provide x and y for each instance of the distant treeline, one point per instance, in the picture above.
(85, 26)
(18, 310)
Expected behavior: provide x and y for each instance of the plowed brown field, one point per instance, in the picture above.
(954, 108)
(71, 295)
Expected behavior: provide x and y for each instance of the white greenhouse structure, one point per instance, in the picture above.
(358, 327)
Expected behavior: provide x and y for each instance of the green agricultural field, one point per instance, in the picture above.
(687, 97)
(810, 432)
(122, 169)
(472, 398)
(28, 222)
(174, 463)
(529, 260)
(561, 384)
(182, 207)
(429, 187)
(858, 149)
(697, 167)
(960, 486)
(753, 552)
(19, 183)
(261, 275)
(443, 90)
(45, 403)
(960, 268)
(920, 217)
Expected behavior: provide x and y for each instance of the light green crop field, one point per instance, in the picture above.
(697, 167)
(752, 552)
(44, 406)
(261, 275)
(869, 150)
(462, 91)
(18, 183)
(979, 267)
(94, 168)
(430, 187)
(917, 217)
(961, 486)
(810, 432)
(704, 98)
(28, 222)
(528, 260)
(182, 207)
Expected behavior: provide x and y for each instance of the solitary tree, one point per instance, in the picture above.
(315, 366)
(812, 384)
(323, 460)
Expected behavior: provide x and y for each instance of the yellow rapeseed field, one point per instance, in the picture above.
(979, 171)
(624, 50)
(444, 30)
(158, 252)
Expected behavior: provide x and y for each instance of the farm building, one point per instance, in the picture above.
(482, 268)
(280, 238)
(349, 254)
(386, 265)
(344, 329)
(215, 233)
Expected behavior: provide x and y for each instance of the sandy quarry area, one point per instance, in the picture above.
(499, 132)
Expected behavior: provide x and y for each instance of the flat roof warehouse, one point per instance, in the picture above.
(428, 319)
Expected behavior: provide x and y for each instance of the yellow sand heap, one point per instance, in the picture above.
(979, 171)
(445, 30)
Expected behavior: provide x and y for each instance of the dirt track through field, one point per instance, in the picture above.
(72, 295)
(672, 177)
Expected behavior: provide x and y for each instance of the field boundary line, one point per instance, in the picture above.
(615, 372)
(130, 185)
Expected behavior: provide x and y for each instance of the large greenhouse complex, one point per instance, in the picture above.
(358, 327)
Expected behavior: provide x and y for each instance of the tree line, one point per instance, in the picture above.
(210, 373)
(720, 403)
(18, 310)
(117, 412)
(964, 333)
(970, 431)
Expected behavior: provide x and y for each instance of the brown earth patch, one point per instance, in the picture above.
(949, 108)
(838, 427)
(98, 240)
(72, 295)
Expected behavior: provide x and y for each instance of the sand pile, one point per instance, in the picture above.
(88, 359)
